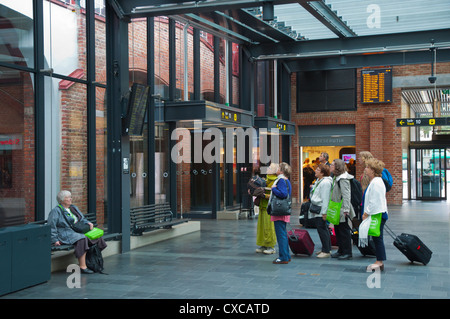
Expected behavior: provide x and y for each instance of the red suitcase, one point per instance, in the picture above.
(300, 242)
(333, 236)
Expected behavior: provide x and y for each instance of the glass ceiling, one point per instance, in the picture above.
(364, 17)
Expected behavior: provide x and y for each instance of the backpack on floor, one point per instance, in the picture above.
(94, 259)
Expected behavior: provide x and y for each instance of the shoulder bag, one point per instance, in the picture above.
(79, 226)
(281, 206)
(315, 209)
(334, 209)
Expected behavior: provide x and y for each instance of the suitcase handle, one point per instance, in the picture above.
(390, 232)
(289, 228)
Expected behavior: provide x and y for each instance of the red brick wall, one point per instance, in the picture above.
(375, 128)
(17, 118)
(73, 107)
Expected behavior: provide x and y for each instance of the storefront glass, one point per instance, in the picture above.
(17, 147)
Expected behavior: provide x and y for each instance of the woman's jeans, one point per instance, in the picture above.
(282, 238)
(324, 234)
(380, 251)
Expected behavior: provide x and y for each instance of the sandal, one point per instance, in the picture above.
(373, 267)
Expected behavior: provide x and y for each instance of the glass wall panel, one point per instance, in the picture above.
(137, 41)
(65, 39)
(235, 74)
(206, 66)
(162, 57)
(100, 51)
(162, 163)
(17, 148)
(260, 88)
(71, 103)
(223, 56)
(16, 38)
(162, 138)
(101, 155)
(184, 62)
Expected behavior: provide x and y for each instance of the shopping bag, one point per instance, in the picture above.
(375, 223)
(94, 233)
(334, 212)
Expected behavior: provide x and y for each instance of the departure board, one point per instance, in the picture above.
(376, 86)
(136, 110)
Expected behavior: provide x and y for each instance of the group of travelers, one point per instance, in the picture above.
(359, 200)
(333, 184)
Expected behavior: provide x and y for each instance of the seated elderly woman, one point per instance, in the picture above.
(61, 219)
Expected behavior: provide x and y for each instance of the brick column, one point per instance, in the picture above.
(376, 137)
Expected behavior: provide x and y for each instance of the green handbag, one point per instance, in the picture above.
(334, 210)
(94, 233)
(375, 224)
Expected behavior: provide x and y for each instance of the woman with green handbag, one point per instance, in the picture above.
(375, 212)
(62, 220)
(340, 204)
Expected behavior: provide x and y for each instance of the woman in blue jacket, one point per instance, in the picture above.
(281, 188)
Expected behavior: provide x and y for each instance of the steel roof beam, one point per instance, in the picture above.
(329, 18)
(147, 8)
(373, 44)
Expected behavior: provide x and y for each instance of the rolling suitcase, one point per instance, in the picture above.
(303, 217)
(368, 250)
(300, 242)
(332, 236)
(411, 246)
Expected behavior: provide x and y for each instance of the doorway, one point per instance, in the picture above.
(429, 173)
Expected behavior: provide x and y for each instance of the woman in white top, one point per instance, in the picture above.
(375, 203)
(320, 196)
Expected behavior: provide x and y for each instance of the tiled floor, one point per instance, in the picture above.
(219, 262)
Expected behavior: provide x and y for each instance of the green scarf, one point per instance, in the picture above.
(270, 180)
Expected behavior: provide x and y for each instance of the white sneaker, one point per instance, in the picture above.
(269, 251)
(260, 249)
(323, 255)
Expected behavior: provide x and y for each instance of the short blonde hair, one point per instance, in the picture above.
(376, 165)
(272, 169)
(365, 156)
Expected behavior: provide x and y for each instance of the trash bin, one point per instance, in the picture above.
(26, 256)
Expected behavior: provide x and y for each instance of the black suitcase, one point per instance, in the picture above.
(368, 250)
(411, 246)
(303, 217)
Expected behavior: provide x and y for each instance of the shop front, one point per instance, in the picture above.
(207, 156)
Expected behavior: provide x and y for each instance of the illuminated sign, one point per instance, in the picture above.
(282, 127)
(229, 116)
(376, 86)
(423, 121)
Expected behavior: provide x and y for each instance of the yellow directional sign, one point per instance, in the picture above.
(423, 121)
(230, 116)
